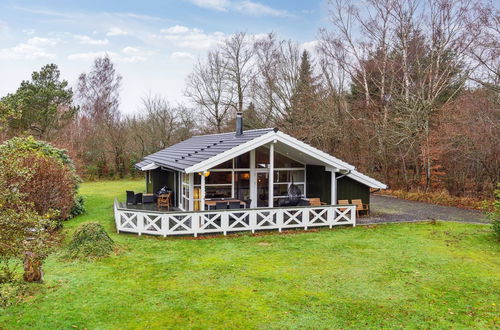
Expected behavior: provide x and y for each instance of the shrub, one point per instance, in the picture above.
(50, 182)
(494, 215)
(90, 240)
(79, 206)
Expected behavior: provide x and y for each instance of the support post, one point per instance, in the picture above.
(191, 192)
(334, 188)
(271, 175)
(202, 192)
(253, 180)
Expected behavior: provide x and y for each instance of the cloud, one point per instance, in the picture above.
(182, 56)
(246, 7)
(86, 40)
(258, 9)
(139, 16)
(89, 56)
(42, 42)
(116, 31)
(192, 38)
(130, 50)
(32, 49)
(219, 5)
(179, 29)
(310, 46)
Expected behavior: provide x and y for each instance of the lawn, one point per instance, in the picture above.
(399, 275)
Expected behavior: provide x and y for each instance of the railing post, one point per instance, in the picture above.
(224, 221)
(140, 222)
(195, 223)
(253, 220)
(279, 218)
(353, 215)
(305, 217)
(331, 215)
(164, 224)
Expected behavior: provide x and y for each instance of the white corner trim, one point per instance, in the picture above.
(149, 167)
(360, 177)
(310, 150)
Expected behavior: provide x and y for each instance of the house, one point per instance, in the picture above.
(255, 168)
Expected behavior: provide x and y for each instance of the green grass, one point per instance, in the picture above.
(399, 275)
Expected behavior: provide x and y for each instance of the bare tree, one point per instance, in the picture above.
(158, 126)
(486, 52)
(238, 53)
(208, 87)
(98, 94)
(278, 64)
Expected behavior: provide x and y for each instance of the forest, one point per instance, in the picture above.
(407, 91)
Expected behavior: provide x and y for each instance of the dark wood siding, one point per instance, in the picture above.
(350, 189)
(319, 185)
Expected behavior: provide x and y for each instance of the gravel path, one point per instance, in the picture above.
(391, 209)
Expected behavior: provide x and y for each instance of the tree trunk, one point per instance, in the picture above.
(32, 268)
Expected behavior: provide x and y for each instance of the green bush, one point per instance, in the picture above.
(79, 207)
(90, 241)
(494, 215)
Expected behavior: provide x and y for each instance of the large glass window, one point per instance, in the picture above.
(219, 178)
(261, 157)
(288, 176)
(284, 178)
(281, 161)
(242, 185)
(281, 189)
(214, 192)
(242, 161)
(227, 164)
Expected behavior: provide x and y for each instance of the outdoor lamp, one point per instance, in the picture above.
(206, 173)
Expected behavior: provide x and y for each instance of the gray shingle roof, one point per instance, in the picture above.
(199, 148)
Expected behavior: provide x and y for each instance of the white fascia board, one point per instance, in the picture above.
(264, 139)
(364, 179)
(149, 167)
(231, 153)
(314, 152)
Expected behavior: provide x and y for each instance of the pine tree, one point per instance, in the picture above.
(305, 101)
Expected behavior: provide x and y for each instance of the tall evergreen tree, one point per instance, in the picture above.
(43, 104)
(305, 101)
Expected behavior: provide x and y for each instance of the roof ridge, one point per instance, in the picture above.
(249, 130)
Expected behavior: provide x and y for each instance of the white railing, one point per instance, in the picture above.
(224, 221)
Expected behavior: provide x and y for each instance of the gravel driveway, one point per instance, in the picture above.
(391, 209)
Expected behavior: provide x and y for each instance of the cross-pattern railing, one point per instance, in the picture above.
(224, 221)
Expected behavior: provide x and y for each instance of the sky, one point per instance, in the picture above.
(154, 44)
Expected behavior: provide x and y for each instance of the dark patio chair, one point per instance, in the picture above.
(221, 205)
(138, 198)
(235, 205)
(130, 197)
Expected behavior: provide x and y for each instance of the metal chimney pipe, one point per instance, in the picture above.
(239, 124)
